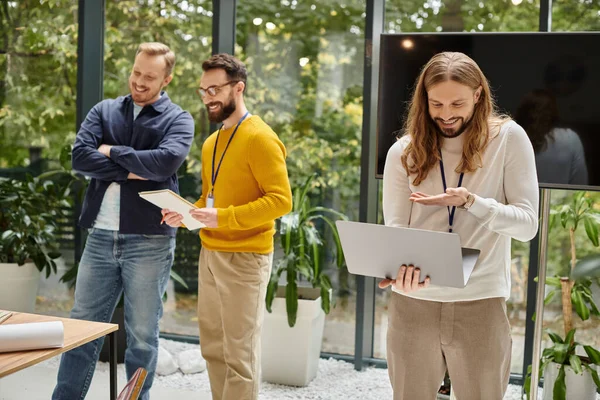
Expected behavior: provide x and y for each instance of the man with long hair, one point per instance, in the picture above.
(245, 187)
(457, 152)
(127, 145)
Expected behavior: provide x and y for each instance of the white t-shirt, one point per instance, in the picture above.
(110, 210)
(506, 206)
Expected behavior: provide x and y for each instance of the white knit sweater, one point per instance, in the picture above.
(506, 206)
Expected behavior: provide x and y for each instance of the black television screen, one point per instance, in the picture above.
(540, 79)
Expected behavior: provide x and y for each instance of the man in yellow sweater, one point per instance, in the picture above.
(245, 187)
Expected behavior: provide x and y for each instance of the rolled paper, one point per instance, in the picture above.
(31, 336)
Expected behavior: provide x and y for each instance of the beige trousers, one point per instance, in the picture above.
(470, 339)
(231, 304)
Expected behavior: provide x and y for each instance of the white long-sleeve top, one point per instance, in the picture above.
(506, 206)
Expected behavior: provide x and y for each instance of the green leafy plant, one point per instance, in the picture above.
(303, 247)
(563, 353)
(29, 210)
(575, 293)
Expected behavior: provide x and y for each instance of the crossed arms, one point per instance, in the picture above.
(97, 160)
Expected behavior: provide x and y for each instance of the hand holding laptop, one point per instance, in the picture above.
(375, 250)
(408, 279)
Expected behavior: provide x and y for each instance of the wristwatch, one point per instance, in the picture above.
(468, 203)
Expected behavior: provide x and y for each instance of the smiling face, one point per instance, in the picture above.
(451, 106)
(148, 78)
(223, 103)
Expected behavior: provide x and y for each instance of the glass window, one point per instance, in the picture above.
(186, 27)
(305, 66)
(38, 90)
(571, 16)
(461, 15)
(559, 257)
(575, 16)
(38, 75)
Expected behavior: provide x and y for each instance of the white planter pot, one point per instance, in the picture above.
(579, 387)
(19, 287)
(290, 356)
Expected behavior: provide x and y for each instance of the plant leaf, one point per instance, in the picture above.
(325, 299)
(555, 338)
(553, 281)
(570, 336)
(560, 388)
(591, 228)
(579, 304)
(593, 354)
(594, 374)
(270, 296)
(588, 267)
(561, 352)
(291, 301)
(575, 363)
(549, 298)
(176, 277)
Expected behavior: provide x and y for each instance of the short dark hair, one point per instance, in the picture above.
(235, 69)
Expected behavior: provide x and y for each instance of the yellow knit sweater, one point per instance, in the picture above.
(251, 191)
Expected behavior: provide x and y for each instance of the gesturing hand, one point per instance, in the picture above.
(407, 280)
(452, 197)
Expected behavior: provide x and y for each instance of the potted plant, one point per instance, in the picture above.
(29, 211)
(296, 313)
(569, 374)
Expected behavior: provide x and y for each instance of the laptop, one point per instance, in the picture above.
(378, 251)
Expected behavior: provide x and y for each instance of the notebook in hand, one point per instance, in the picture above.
(172, 201)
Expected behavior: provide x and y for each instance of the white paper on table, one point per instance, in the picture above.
(31, 336)
(172, 201)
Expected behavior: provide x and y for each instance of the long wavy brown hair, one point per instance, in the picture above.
(423, 151)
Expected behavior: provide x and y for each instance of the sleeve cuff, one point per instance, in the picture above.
(115, 152)
(481, 206)
(223, 217)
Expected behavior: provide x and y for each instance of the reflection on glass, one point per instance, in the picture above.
(306, 73)
(559, 153)
(186, 27)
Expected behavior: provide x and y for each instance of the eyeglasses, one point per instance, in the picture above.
(213, 90)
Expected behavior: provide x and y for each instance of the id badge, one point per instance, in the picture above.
(210, 201)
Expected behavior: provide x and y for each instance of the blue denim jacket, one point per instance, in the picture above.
(153, 146)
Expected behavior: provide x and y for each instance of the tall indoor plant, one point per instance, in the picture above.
(303, 246)
(575, 292)
(294, 324)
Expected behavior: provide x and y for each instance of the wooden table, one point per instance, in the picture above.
(77, 333)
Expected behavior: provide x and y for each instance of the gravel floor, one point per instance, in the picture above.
(336, 380)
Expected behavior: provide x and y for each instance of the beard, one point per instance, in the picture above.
(450, 133)
(144, 97)
(222, 112)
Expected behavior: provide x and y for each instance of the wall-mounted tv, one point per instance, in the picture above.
(548, 82)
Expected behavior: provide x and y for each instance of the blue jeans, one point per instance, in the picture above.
(137, 266)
